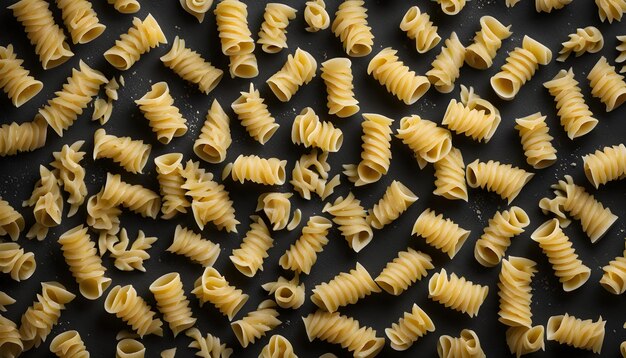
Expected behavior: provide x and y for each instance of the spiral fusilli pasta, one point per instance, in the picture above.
(168, 168)
(605, 165)
(440, 233)
(254, 116)
(266, 171)
(523, 340)
(310, 174)
(451, 7)
(399, 80)
(232, 25)
(287, 293)
(465, 346)
(472, 100)
(276, 207)
(502, 179)
(125, 6)
(409, 329)
(614, 277)
(23, 137)
(278, 347)
(344, 289)
(164, 118)
(15, 80)
(140, 38)
(171, 301)
(273, 33)
(256, 323)
(410, 266)
(129, 258)
(496, 237)
(214, 138)
(249, 257)
(425, 138)
(302, 255)
(10, 342)
(309, 130)
(447, 65)
(209, 346)
(487, 42)
(352, 220)
(130, 348)
(450, 176)
(11, 221)
(5, 300)
(549, 5)
(102, 216)
(536, 141)
(197, 8)
(418, 27)
(316, 16)
(575, 332)
(622, 49)
(515, 292)
(395, 201)
(457, 292)
(69, 344)
(299, 69)
(350, 26)
(71, 174)
(588, 39)
(243, 66)
(607, 85)
(193, 246)
(80, 20)
(337, 76)
(611, 9)
(15, 261)
(134, 197)
(125, 303)
(213, 287)
(47, 203)
(471, 122)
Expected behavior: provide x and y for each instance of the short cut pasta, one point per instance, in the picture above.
(447, 65)
(487, 42)
(607, 85)
(232, 26)
(496, 237)
(405, 269)
(418, 27)
(352, 220)
(215, 138)
(399, 80)
(440, 233)
(22, 137)
(588, 39)
(256, 324)
(337, 76)
(605, 165)
(523, 340)
(140, 38)
(172, 303)
(316, 16)
(20, 265)
(69, 344)
(71, 174)
(467, 345)
(15, 80)
(515, 292)
(344, 289)
(470, 121)
(457, 292)
(395, 201)
(409, 329)
(536, 141)
(302, 255)
(212, 287)
(254, 116)
(502, 179)
(266, 171)
(309, 130)
(583, 334)
(125, 303)
(273, 33)
(191, 245)
(614, 276)
(450, 176)
(299, 70)
(11, 221)
(350, 26)
(165, 119)
(80, 20)
(249, 257)
(132, 155)
(427, 140)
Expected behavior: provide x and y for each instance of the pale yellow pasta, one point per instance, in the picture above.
(129, 258)
(451, 7)
(614, 277)
(22, 137)
(287, 293)
(10, 342)
(214, 139)
(395, 201)
(457, 292)
(69, 344)
(611, 9)
(440, 233)
(407, 268)
(43, 33)
(209, 346)
(310, 131)
(523, 340)
(607, 85)
(465, 346)
(572, 273)
(502, 179)
(249, 257)
(232, 26)
(273, 33)
(39, 319)
(15, 261)
(549, 5)
(350, 26)
(536, 141)
(138, 199)
(521, 65)
(140, 38)
(418, 27)
(511, 3)
(125, 303)
(352, 220)
(15, 80)
(471, 100)
(487, 42)
(6, 300)
(276, 207)
(515, 292)
(446, 67)
(345, 331)
(399, 80)
(172, 303)
(168, 353)
(102, 216)
(130, 348)
(278, 347)
(80, 20)
(11, 221)
(254, 116)
(605, 165)
(47, 203)
(168, 168)
(575, 332)
(243, 66)
(295, 220)
(409, 329)
(310, 175)
(266, 171)
(164, 118)
(213, 287)
(71, 174)
(256, 323)
(337, 76)
(575, 115)
(62, 111)
(125, 6)
(197, 8)
(471, 122)
(102, 110)
(344, 289)
(299, 70)
(588, 39)
(622, 49)
(425, 138)
(450, 176)
(193, 246)
(496, 237)
(191, 67)
(302, 255)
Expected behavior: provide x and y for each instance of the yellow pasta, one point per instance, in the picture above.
(256, 323)
(440, 233)
(11, 221)
(129, 258)
(410, 266)
(605, 165)
(140, 38)
(515, 292)
(5, 300)
(71, 174)
(125, 6)
(254, 116)
(487, 42)
(350, 26)
(575, 332)
(302, 255)
(549, 5)
(502, 179)
(213, 287)
(352, 220)
(197, 8)
(273, 33)
(344, 289)
(307, 129)
(10, 341)
(496, 237)
(134, 197)
(287, 293)
(243, 66)
(266, 171)
(171, 301)
(316, 16)
(450, 176)
(69, 344)
(310, 174)
(465, 346)
(395, 201)
(457, 292)
(276, 207)
(299, 70)
(164, 118)
(130, 348)
(23, 137)
(418, 27)
(14, 261)
(622, 49)
(611, 9)
(337, 75)
(249, 257)
(102, 216)
(427, 140)
(278, 347)
(607, 85)
(232, 25)
(193, 246)
(399, 80)
(80, 20)
(209, 346)
(125, 303)
(536, 141)
(588, 39)
(409, 329)
(475, 123)
(47, 203)
(15, 80)
(614, 277)
(523, 340)
(168, 168)
(451, 7)
(214, 139)
(447, 65)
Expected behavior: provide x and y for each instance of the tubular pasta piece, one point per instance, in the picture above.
(249, 257)
(140, 38)
(409, 329)
(215, 138)
(23, 137)
(351, 27)
(496, 237)
(502, 179)
(232, 26)
(515, 292)
(190, 66)
(588, 39)
(164, 118)
(307, 129)
(575, 332)
(287, 293)
(302, 255)
(171, 301)
(299, 69)
(606, 165)
(80, 20)
(273, 33)
(536, 141)
(399, 80)
(254, 116)
(418, 27)
(15, 80)
(126, 304)
(316, 16)
(607, 85)
(447, 65)
(457, 292)
(337, 76)
(193, 246)
(450, 176)
(344, 289)
(375, 153)
(425, 138)
(395, 201)
(11, 221)
(410, 266)
(213, 287)
(352, 220)
(440, 233)
(270, 171)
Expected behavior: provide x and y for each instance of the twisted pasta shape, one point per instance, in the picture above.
(399, 80)
(243, 66)
(140, 38)
(496, 237)
(515, 292)
(48, 204)
(214, 138)
(588, 39)
(450, 176)
(549, 5)
(287, 293)
(5, 300)
(232, 26)
(71, 174)
(352, 220)
(520, 67)
(606, 165)
(129, 259)
(164, 118)
(125, 303)
(125, 6)
(611, 9)
(213, 287)
(191, 67)
(256, 323)
(344, 289)
(168, 167)
(409, 329)
(302, 255)
(395, 201)
(575, 332)
(427, 140)
(258, 170)
(622, 49)
(614, 277)
(15, 80)
(130, 348)
(276, 207)
(447, 65)
(572, 273)
(299, 70)
(307, 129)
(418, 27)
(172, 303)
(197, 8)
(407, 268)
(440, 233)
(209, 346)
(11, 221)
(523, 340)
(607, 85)
(134, 197)
(451, 7)
(337, 76)
(471, 122)
(254, 116)
(316, 16)
(23, 137)
(345, 331)
(350, 26)
(511, 3)
(14, 261)
(101, 215)
(465, 346)
(249, 257)
(193, 246)
(69, 344)
(273, 33)
(310, 174)
(502, 179)
(487, 42)
(278, 347)
(80, 20)
(537, 143)
(457, 292)
(10, 342)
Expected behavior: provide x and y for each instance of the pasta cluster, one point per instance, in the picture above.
(193, 246)
(344, 289)
(69, 344)
(467, 345)
(409, 329)
(523, 340)
(140, 38)
(71, 174)
(588, 39)
(11, 221)
(302, 255)
(337, 76)
(307, 129)
(310, 175)
(213, 287)
(457, 292)
(352, 220)
(81, 20)
(47, 203)
(605, 165)
(316, 16)
(256, 323)
(168, 168)
(407, 268)
(350, 26)
(614, 277)
(14, 261)
(515, 292)
(129, 258)
(272, 36)
(447, 65)
(23, 137)
(164, 118)
(502, 179)
(248, 258)
(440, 233)
(395, 201)
(418, 27)
(607, 85)
(214, 139)
(125, 303)
(15, 80)
(171, 301)
(475, 123)
(536, 141)
(487, 42)
(287, 293)
(209, 346)
(299, 69)
(254, 116)
(584, 334)
(375, 153)
(427, 140)
(138, 199)
(450, 176)
(496, 238)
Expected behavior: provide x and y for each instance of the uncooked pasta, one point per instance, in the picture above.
(418, 27)
(138, 199)
(351, 27)
(502, 179)
(450, 176)
(515, 292)
(475, 123)
(316, 16)
(125, 303)
(496, 237)
(22, 137)
(140, 38)
(302, 255)
(69, 344)
(125, 6)
(409, 329)
(172, 303)
(15, 80)
(588, 39)
(607, 85)
(243, 66)
(487, 42)
(440, 233)
(197, 8)
(467, 345)
(344, 289)
(337, 76)
(208, 346)
(451, 7)
(20, 265)
(447, 65)
(310, 131)
(168, 168)
(299, 70)
(266, 171)
(165, 119)
(287, 293)
(193, 246)
(232, 26)
(80, 20)
(256, 324)
(273, 33)
(575, 332)
(611, 10)
(549, 5)
(254, 116)
(352, 220)
(249, 257)
(71, 174)
(11, 221)
(614, 277)
(605, 165)
(276, 207)
(310, 175)
(523, 340)
(130, 348)
(128, 257)
(536, 141)
(396, 200)
(457, 292)
(405, 269)
(278, 346)
(214, 139)
(427, 140)
(212, 287)
(10, 341)
(47, 203)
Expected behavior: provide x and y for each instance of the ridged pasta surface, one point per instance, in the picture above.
(405, 269)
(605, 165)
(487, 42)
(337, 75)
(316, 16)
(232, 26)
(502, 179)
(611, 10)
(515, 292)
(125, 303)
(299, 69)
(471, 122)
(192, 245)
(614, 277)
(80, 20)
(350, 26)
(172, 303)
(583, 334)
(168, 168)
(409, 329)
(496, 237)
(140, 38)
(134, 197)
(310, 131)
(287, 293)
(447, 65)
(256, 324)
(132, 155)
(22, 137)
(352, 220)
(302, 255)
(47, 203)
(395, 201)
(273, 33)
(215, 138)
(607, 85)
(69, 344)
(457, 292)
(249, 257)
(15, 80)
(440, 233)
(209, 346)
(71, 174)
(11, 221)
(536, 141)
(465, 346)
(588, 39)
(523, 340)
(418, 27)
(16, 262)
(344, 289)
(164, 118)
(254, 116)
(450, 176)
(425, 138)
(375, 153)
(212, 287)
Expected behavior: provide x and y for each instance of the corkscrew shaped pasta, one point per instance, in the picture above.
(345, 331)
(256, 323)
(47, 203)
(536, 141)
(134, 197)
(125, 303)
(11, 221)
(71, 174)
(214, 138)
(520, 67)
(5, 300)
(80, 20)
(447, 65)
(273, 33)
(457, 292)
(197, 8)
(594, 218)
(23, 137)
(427, 140)
(605, 165)
(588, 39)
(125, 6)
(129, 258)
(337, 76)
(472, 100)
(243, 66)
(614, 277)
(130, 348)
(164, 118)
(62, 111)
(302, 255)
(466, 346)
(344, 289)
(309, 130)
(450, 176)
(266, 171)
(440, 233)
(523, 340)
(69, 344)
(487, 42)
(515, 292)
(42, 32)
(10, 342)
(193, 246)
(191, 67)
(409, 329)
(502, 179)
(407, 268)
(249, 257)
(622, 49)
(276, 207)
(316, 16)
(38, 320)
(287, 293)
(278, 347)
(451, 7)
(575, 115)
(496, 237)
(168, 167)
(213, 287)
(140, 38)
(254, 116)
(471, 122)
(299, 70)
(399, 80)
(310, 174)
(549, 5)
(15, 80)
(395, 201)
(607, 85)
(352, 220)
(172, 303)
(575, 332)
(611, 9)
(350, 26)
(418, 27)
(14, 261)
(572, 273)
(101, 216)
(209, 346)
(232, 26)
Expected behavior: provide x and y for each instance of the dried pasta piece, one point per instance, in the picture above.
(214, 139)
(249, 257)
(232, 26)
(352, 220)
(549, 5)
(520, 67)
(344, 289)
(515, 292)
(572, 273)
(134, 197)
(395, 201)
(409, 329)
(171, 301)
(496, 237)
(376, 151)
(47, 203)
(410, 266)
(607, 85)
(588, 39)
(310, 175)
(450, 176)
(5, 300)
(266, 171)
(425, 138)
(125, 6)
(614, 277)
(287, 293)
(169, 167)
(487, 42)
(254, 116)
(11, 221)
(523, 340)
(80, 20)
(536, 141)
(168, 353)
(273, 33)
(140, 38)
(447, 65)
(309, 130)
(337, 76)
(69, 344)
(193, 246)
(125, 303)
(302, 255)
(129, 259)
(451, 7)
(351, 27)
(22, 137)
(605, 165)
(213, 287)
(15, 261)
(256, 323)
(471, 100)
(197, 8)
(418, 27)
(243, 66)
(466, 346)
(575, 332)
(399, 80)
(102, 216)
(10, 341)
(440, 233)
(71, 174)
(622, 49)
(502, 179)
(130, 348)
(190, 66)
(299, 70)
(276, 207)
(316, 16)
(42, 32)
(102, 110)
(457, 292)
(295, 220)
(15, 80)
(209, 346)
(278, 347)
(164, 118)
(611, 9)
(471, 122)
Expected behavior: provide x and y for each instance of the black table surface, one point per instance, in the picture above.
(98, 329)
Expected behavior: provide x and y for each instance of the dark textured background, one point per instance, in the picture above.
(18, 175)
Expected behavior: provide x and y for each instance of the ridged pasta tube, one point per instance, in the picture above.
(164, 118)
(605, 165)
(519, 68)
(71, 174)
(345, 331)
(125, 303)
(471, 122)
(395, 201)
(256, 324)
(171, 301)
(337, 76)
(457, 292)
(209, 346)
(549, 5)
(309, 130)
(266, 171)
(232, 26)
(407, 268)
(350, 26)
(14, 261)
(47, 203)
(611, 9)
(496, 237)
(588, 39)
(446, 67)
(607, 85)
(440, 233)
(572, 273)
(614, 277)
(276, 207)
(140, 38)
(451, 7)
(130, 348)
(243, 66)
(299, 69)
(169, 167)
(515, 292)
(69, 344)
(287, 293)
(450, 176)
(80, 20)
(344, 289)
(302, 255)
(134, 197)
(399, 80)
(125, 6)
(575, 332)
(11, 221)
(425, 138)
(278, 347)
(193, 246)
(352, 220)
(523, 340)
(273, 33)
(191, 67)
(22, 137)
(213, 287)
(622, 50)
(254, 116)
(472, 100)
(10, 342)
(536, 141)
(214, 139)
(249, 257)
(418, 27)
(465, 346)
(42, 32)
(502, 179)
(196, 8)
(316, 16)
(409, 329)
(487, 42)
(15, 80)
